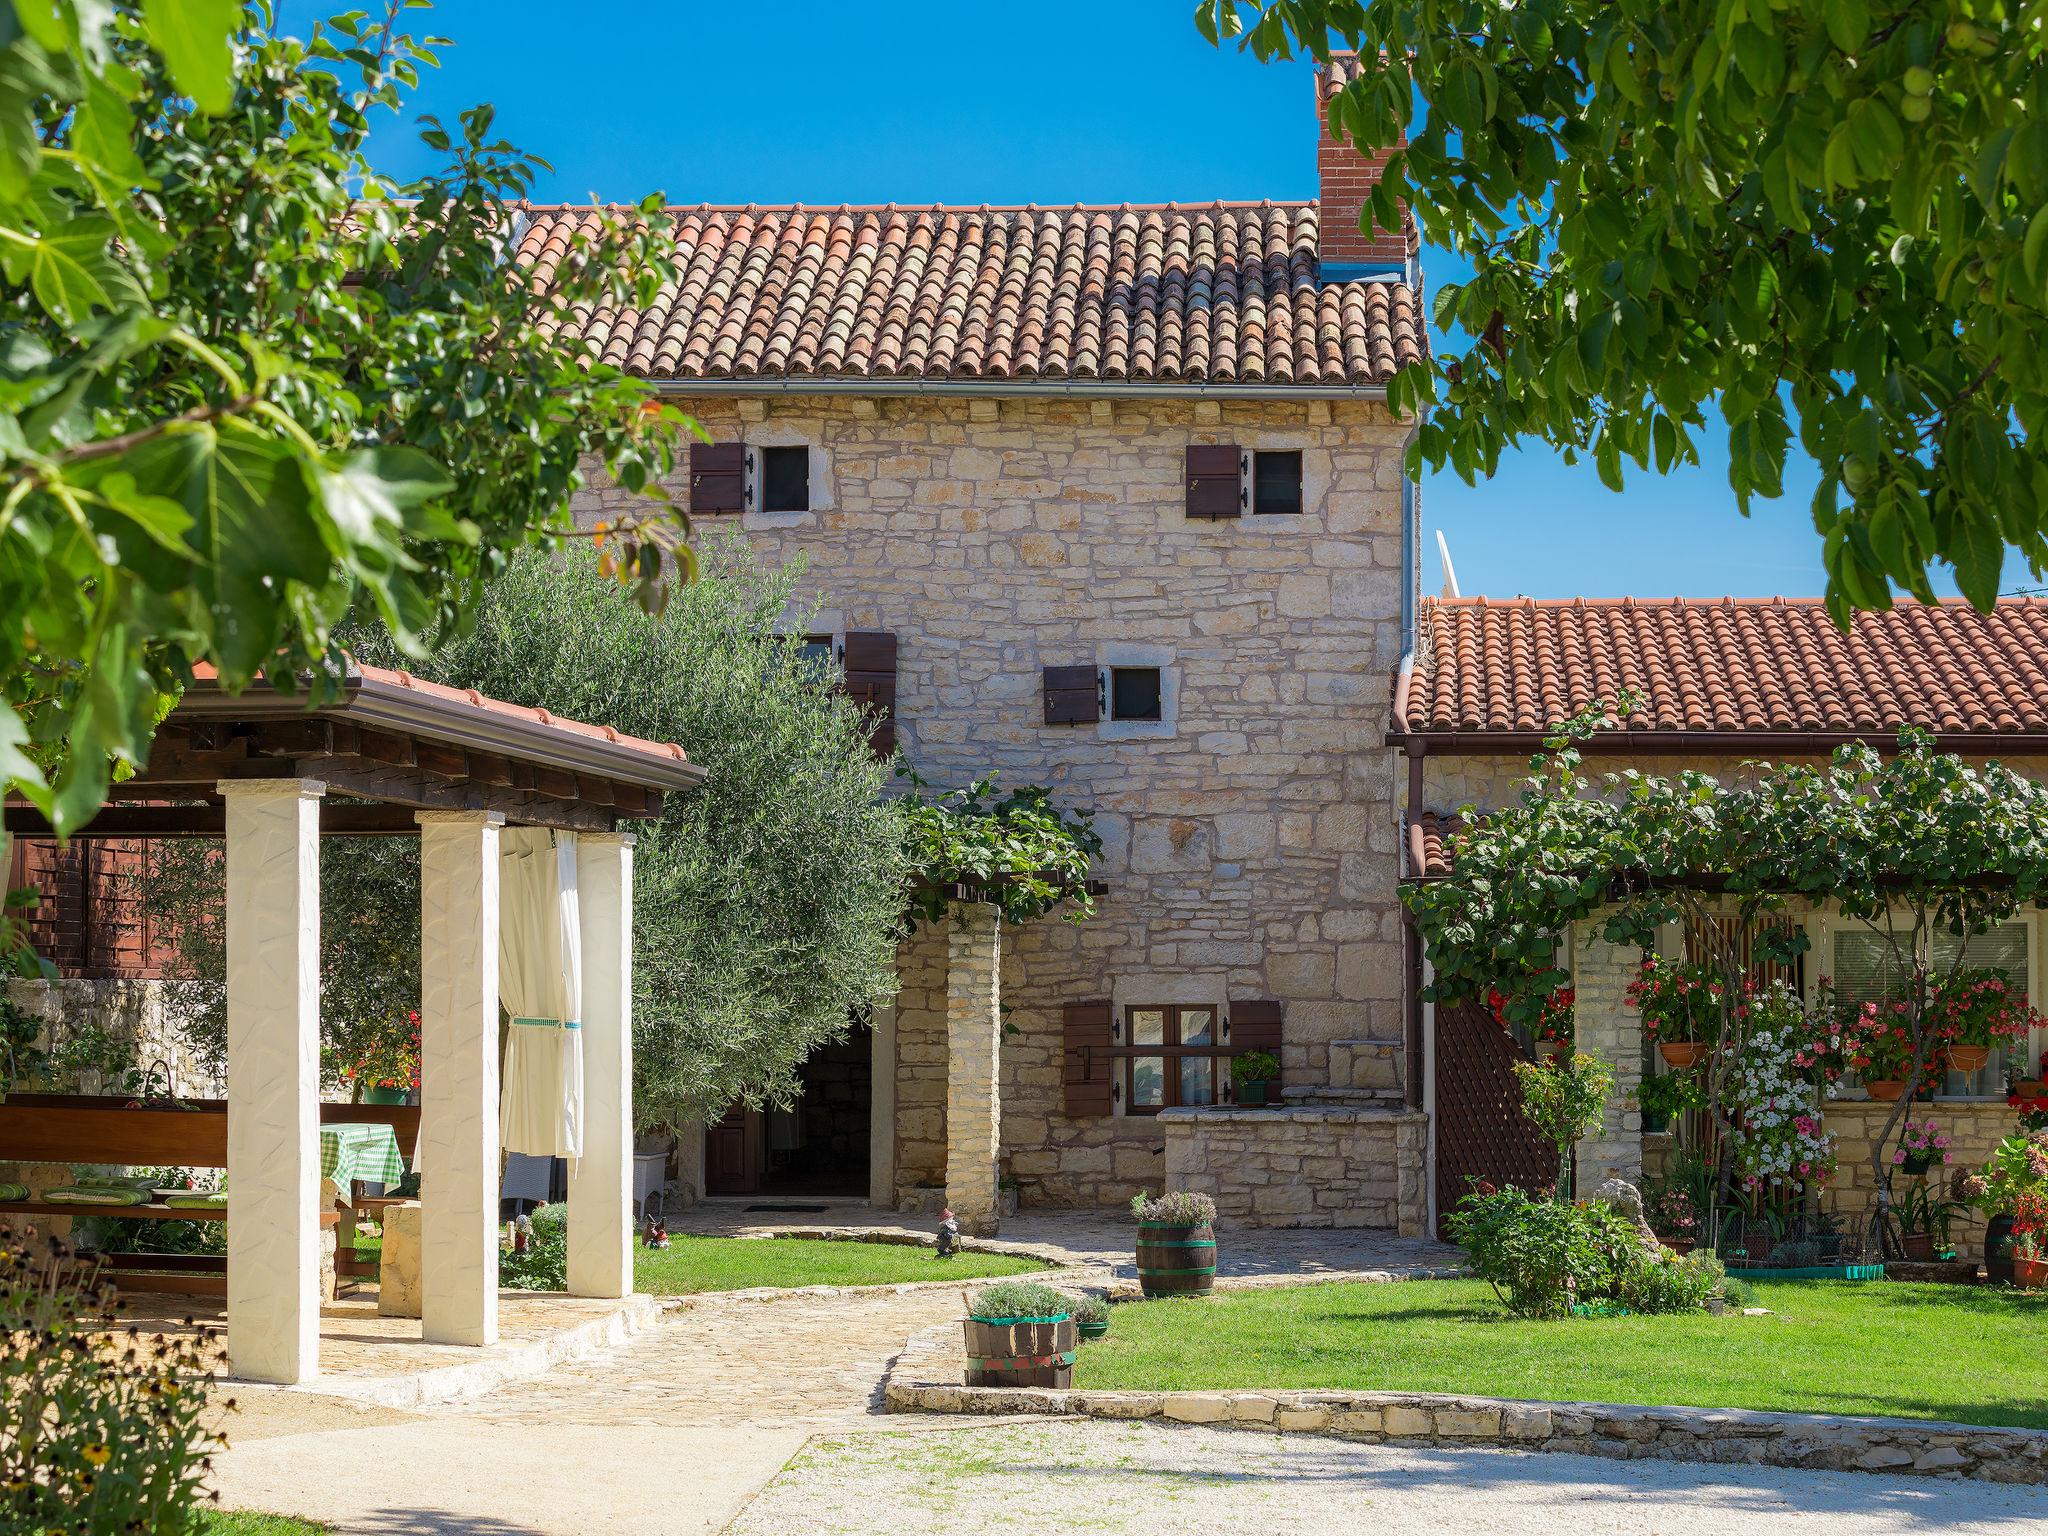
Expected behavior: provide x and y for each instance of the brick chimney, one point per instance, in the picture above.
(1346, 175)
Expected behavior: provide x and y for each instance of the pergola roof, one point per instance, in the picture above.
(389, 737)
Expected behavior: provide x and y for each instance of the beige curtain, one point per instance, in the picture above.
(540, 1107)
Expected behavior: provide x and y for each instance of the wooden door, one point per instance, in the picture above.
(733, 1153)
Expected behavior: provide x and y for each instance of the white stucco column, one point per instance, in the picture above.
(882, 1107)
(459, 1076)
(601, 1182)
(273, 972)
(973, 1029)
(1606, 1026)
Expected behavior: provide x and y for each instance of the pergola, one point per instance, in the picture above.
(260, 771)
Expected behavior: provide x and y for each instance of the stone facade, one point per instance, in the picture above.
(1606, 1026)
(974, 1025)
(1309, 1167)
(1250, 841)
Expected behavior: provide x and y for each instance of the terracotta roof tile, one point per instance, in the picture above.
(1777, 664)
(1205, 293)
(1432, 840)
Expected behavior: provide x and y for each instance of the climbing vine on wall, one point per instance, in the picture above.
(1017, 851)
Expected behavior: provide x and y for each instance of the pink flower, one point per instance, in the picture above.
(1899, 1156)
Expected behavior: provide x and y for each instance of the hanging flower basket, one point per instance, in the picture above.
(2030, 1274)
(1680, 1053)
(1885, 1090)
(1968, 1058)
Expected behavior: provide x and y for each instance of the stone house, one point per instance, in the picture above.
(1107, 499)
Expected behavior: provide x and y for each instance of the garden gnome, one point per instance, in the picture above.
(949, 1233)
(655, 1233)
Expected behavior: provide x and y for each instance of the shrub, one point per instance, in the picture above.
(544, 1266)
(1090, 1309)
(1019, 1298)
(1663, 1281)
(100, 1431)
(1181, 1208)
(1540, 1256)
(1565, 1098)
(1738, 1292)
(1255, 1067)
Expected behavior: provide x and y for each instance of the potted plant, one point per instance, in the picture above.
(1680, 1005)
(1666, 1096)
(1674, 1218)
(1879, 1046)
(1020, 1333)
(2016, 1172)
(2033, 1088)
(1922, 1145)
(2030, 1243)
(1252, 1075)
(1091, 1317)
(1176, 1243)
(1924, 1221)
(1976, 1011)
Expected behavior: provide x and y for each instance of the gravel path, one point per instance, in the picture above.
(1056, 1478)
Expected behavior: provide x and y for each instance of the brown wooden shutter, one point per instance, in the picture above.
(1215, 480)
(1087, 1069)
(718, 477)
(1255, 1026)
(1071, 697)
(870, 665)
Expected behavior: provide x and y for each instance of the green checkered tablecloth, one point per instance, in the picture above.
(349, 1151)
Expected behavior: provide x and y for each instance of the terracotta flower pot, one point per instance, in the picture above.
(2030, 1088)
(1918, 1247)
(1679, 1053)
(1968, 1058)
(1885, 1090)
(2030, 1274)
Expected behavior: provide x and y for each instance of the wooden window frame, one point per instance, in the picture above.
(1268, 456)
(1108, 694)
(1126, 1053)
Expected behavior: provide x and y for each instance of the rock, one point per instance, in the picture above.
(1526, 1423)
(398, 1267)
(1627, 1201)
(1409, 1423)
(1939, 1458)
(1468, 1423)
(1198, 1407)
(1879, 1457)
(1304, 1418)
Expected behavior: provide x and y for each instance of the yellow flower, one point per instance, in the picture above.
(96, 1453)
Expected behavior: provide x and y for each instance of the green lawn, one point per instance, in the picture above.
(692, 1264)
(225, 1524)
(1913, 1351)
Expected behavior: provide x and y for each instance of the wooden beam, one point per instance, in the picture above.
(337, 819)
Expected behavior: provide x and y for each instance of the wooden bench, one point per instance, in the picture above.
(81, 1128)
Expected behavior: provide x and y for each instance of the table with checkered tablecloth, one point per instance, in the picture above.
(351, 1151)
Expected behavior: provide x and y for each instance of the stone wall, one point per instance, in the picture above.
(1252, 845)
(1310, 1167)
(1973, 1129)
(1606, 1026)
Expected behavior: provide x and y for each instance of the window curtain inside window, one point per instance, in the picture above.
(1866, 970)
(540, 1105)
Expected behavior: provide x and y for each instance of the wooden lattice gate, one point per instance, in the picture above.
(1481, 1132)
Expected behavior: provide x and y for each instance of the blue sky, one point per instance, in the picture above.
(927, 101)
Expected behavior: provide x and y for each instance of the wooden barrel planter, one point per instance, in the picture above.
(1175, 1259)
(1020, 1351)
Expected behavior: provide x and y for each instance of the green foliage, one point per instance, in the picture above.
(101, 1432)
(766, 903)
(1179, 1207)
(1255, 1067)
(1090, 1309)
(1019, 1298)
(1821, 218)
(544, 1265)
(1542, 1257)
(1668, 1095)
(247, 382)
(1660, 1281)
(1020, 852)
(1564, 1097)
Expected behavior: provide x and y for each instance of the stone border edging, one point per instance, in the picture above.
(926, 1378)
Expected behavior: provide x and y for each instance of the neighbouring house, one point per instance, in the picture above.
(1724, 683)
(1109, 499)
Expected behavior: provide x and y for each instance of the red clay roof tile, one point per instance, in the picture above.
(1216, 293)
(1776, 664)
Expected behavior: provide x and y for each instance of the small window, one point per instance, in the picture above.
(1276, 482)
(1134, 693)
(1172, 1059)
(786, 479)
(1865, 969)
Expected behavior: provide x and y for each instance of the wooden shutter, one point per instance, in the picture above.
(870, 664)
(718, 477)
(1255, 1026)
(1087, 1068)
(1071, 697)
(1215, 480)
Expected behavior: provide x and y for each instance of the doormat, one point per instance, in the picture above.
(787, 1210)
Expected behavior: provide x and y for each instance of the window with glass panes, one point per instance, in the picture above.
(1866, 969)
(1174, 1056)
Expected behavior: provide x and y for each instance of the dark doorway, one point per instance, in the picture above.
(818, 1146)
